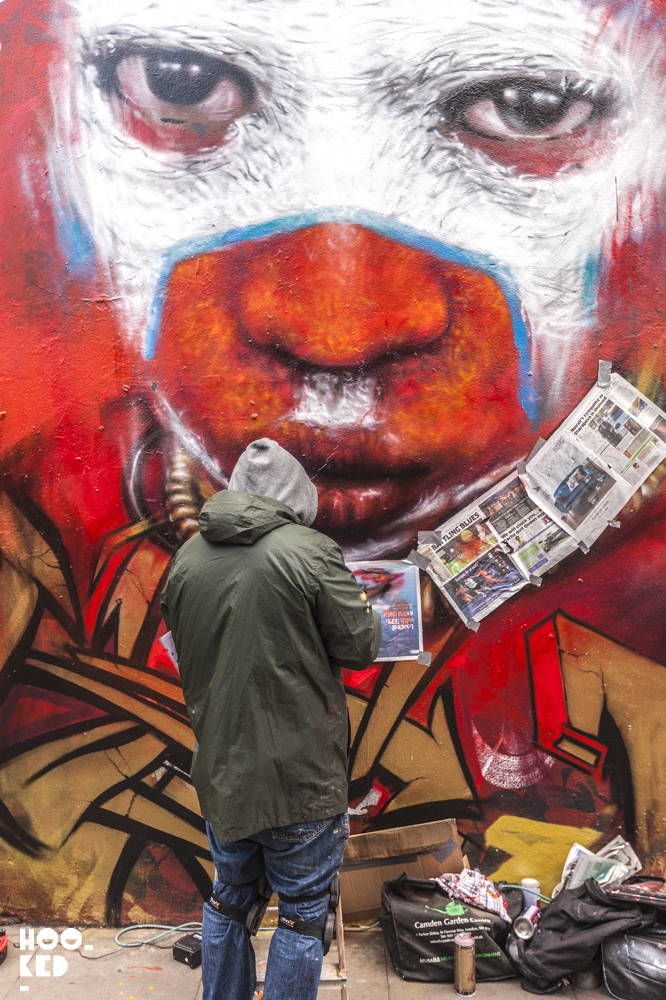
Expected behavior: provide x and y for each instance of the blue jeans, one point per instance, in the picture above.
(297, 860)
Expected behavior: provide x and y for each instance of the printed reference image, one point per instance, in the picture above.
(581, 490)
(394, 592)
(480, 590)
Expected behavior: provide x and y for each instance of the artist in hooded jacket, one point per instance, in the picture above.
(264, 614)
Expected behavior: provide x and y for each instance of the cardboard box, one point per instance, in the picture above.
(423, 851)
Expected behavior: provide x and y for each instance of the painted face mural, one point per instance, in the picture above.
(396, 237)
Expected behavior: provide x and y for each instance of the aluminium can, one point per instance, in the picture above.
(464, 965)
(524, 925)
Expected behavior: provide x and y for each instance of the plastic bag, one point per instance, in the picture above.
(420, 921)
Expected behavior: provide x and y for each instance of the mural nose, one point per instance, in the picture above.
(339, 295)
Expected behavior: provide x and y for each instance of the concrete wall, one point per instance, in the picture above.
(397, 236)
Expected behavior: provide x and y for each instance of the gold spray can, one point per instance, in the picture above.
(464, 966)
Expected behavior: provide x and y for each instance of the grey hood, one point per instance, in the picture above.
(265, 468)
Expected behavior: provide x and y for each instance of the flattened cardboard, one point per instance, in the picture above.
(422, 851)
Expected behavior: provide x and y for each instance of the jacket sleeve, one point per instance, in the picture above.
(350, 629)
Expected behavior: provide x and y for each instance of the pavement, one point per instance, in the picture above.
(90, 965)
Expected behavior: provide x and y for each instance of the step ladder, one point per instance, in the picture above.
(334, 967)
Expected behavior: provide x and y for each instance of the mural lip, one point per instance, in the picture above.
(382, 226)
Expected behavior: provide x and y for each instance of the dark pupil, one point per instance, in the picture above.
(530, 108)
(179, 78)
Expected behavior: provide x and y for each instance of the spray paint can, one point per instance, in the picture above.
(531, 891)
(524, 925)
(464, 966)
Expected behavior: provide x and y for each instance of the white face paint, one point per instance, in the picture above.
(348, 100)
(411, 111)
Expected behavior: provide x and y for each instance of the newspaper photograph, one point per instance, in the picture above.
(469, 564)
(602, 453)
(394, 591)
(534, 540)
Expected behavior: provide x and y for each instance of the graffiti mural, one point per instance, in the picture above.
(397, 237)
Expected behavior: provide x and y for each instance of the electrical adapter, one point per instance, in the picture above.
(188, 950)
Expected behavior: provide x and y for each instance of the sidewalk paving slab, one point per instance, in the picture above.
(101, 969)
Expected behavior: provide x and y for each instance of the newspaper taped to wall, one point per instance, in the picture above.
(394, 591)
(602, 453)
(569, 490)
(468, 563)
(492, 548)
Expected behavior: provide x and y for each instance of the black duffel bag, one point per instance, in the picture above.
(570, 932)
(420, 921)
(634, 964)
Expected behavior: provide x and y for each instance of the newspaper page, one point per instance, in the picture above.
(470, 565)
(485, 554)
(394, 591)
(616, 861)
(602, 453)
(534, 540)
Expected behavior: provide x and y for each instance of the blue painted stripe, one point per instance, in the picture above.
(591, 274)
(75, 239)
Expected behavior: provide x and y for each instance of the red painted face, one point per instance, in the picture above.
(391, 374)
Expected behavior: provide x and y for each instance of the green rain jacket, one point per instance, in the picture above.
(264, 614)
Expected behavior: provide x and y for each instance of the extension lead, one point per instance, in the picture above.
(187, 949)
(165, 928)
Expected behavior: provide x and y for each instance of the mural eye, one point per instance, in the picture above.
(522, 109)
(175, 99)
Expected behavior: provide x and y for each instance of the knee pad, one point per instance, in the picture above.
(324, 933)
(250, 918)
